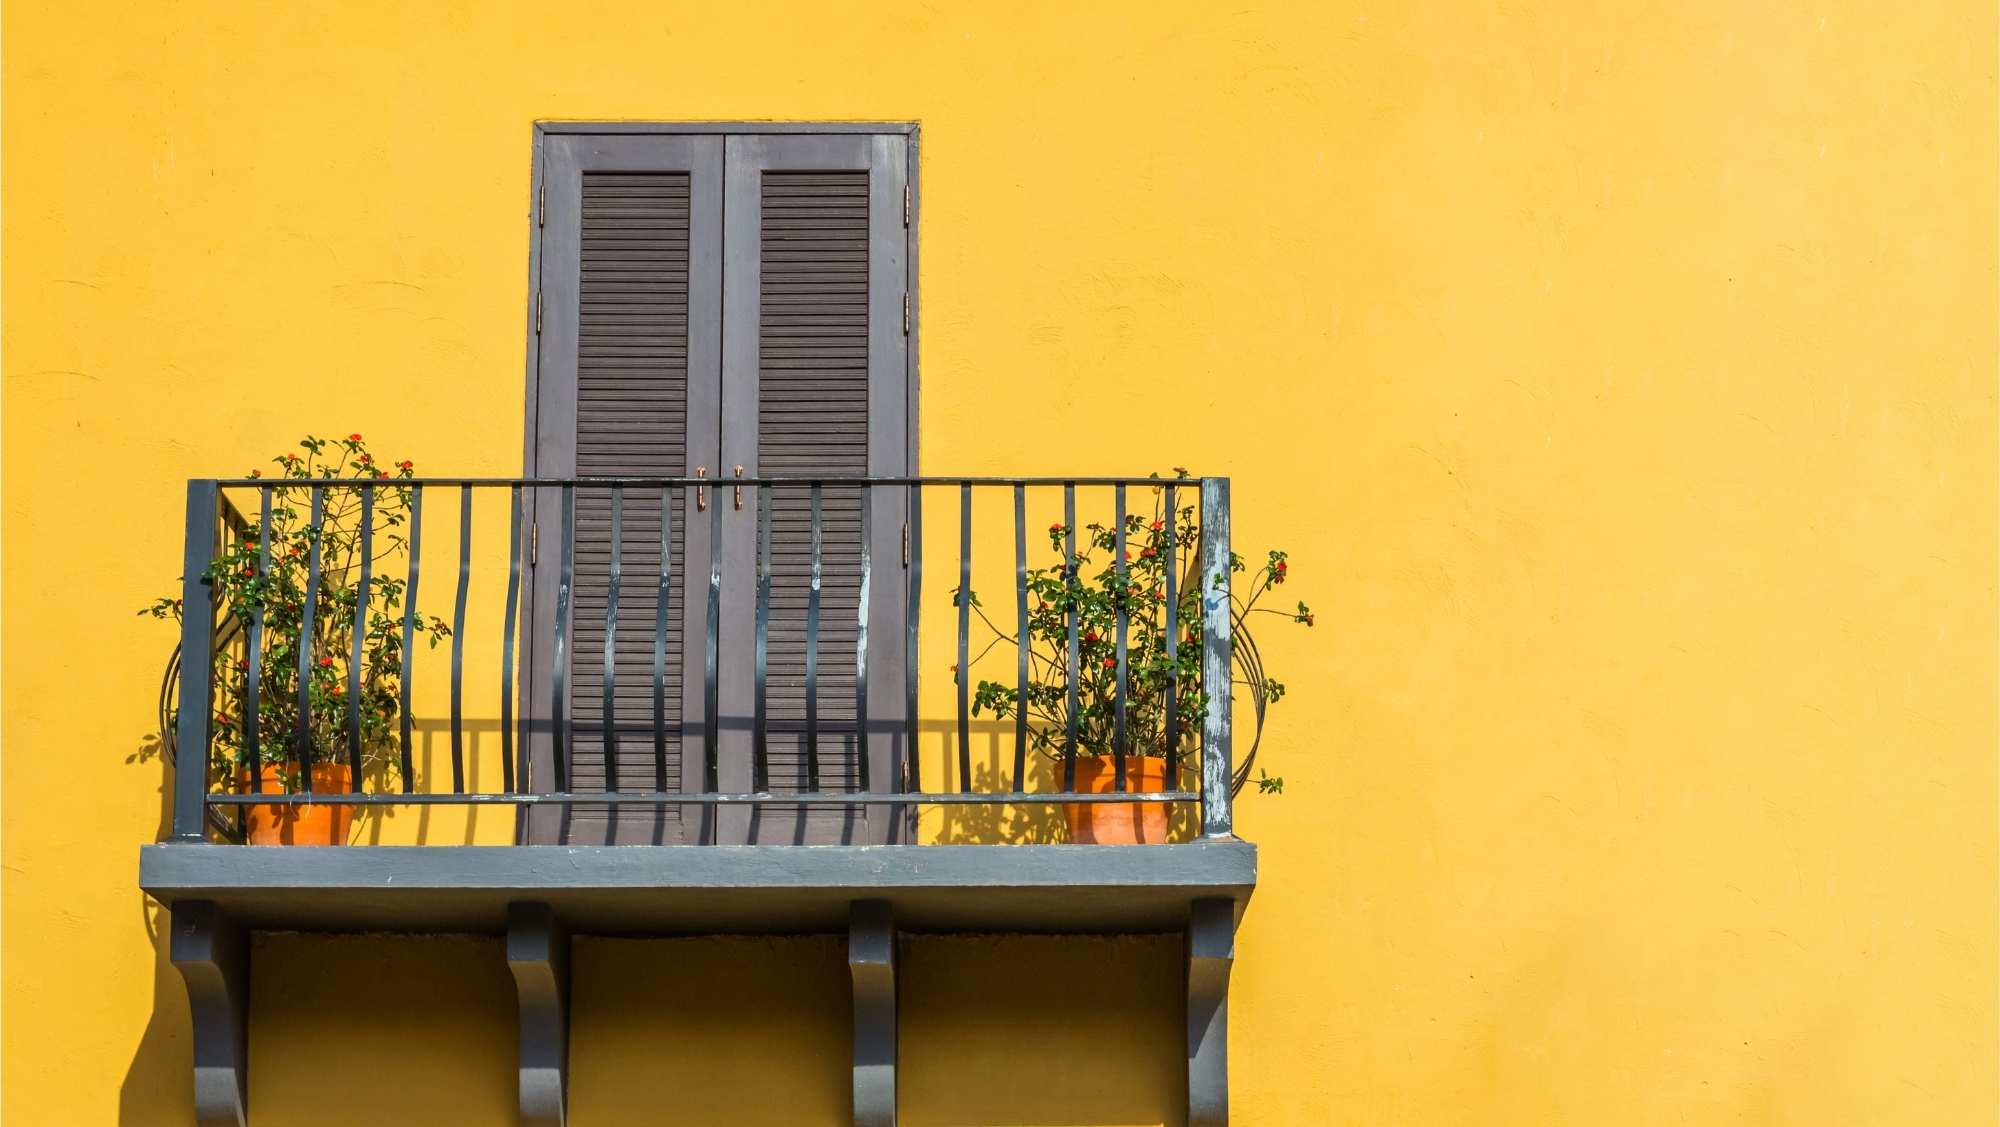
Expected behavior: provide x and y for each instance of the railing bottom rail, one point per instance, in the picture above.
(676, 798)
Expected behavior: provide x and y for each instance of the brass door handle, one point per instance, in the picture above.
(739, 489)
(701, 492)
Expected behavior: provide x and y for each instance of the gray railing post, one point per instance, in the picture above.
(197, 662)
(1217, 615)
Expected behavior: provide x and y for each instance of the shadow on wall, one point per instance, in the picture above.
(157, 1086)
(749, 1032)
(992, 758)
(991, 746)
(1041, 1030)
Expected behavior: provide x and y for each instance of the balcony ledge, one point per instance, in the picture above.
(698, 890)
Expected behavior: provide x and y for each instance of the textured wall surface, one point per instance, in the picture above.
(1621, 378)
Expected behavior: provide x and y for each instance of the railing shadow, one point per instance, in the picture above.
(990, 750)
(162, 1058)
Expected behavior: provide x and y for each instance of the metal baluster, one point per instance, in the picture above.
(359, 638)
(458, 640)
(308, 623)
(511, 616)
(760, 752)
(1070, 593)
(253, 735)
(1021, 651)
(710, 765)
(964, 633)
(660, 638)
(915, 769)
(1118, 564)
(861, 648)
(1216, 614)
(616, 578)
(197, 701)
(559, 657)
(1170, 726)
(812, 646)
(409, 635)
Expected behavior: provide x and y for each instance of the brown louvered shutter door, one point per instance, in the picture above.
(630, 306)
(721, 302)
(815, 384)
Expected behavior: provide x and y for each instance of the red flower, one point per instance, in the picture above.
(1055, 528)
(1157, 525)
(367, 458)
(1090, 637)
(406, 465)
(381, 473)
(353, 438)
(256, 473)
(324, 662)
(1109, 662)
(249, 573)
(1148, 553)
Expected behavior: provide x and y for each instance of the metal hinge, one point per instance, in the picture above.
(906, 545)
(906, 315)
(906, 205)
(534, 543)
(542, 204)
(538, 312)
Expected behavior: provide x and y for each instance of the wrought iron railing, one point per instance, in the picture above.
(541, 615)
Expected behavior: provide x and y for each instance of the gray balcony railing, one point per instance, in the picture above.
(724, 738)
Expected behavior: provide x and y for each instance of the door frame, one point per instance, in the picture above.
(544, 130)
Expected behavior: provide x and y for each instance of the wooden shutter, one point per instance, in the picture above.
(721, 301)
(630, 306)
(815, 383)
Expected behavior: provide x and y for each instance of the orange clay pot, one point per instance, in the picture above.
(1118, 823)
(317, 824)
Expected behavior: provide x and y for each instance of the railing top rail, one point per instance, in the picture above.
(658, 482)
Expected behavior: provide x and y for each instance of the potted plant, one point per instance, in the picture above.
(1098, 589)
(282, 752)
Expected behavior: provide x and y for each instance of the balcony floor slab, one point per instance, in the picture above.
(699, 890)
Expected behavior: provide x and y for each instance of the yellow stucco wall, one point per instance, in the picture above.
(1621, 377)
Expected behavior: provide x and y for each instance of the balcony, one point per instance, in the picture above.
(714, 710)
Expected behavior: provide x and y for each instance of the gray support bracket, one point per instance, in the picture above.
(871, 959)
(538, 954)
(1211, 948)
(212, 952)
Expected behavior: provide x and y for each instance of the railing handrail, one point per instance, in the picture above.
(655, 482)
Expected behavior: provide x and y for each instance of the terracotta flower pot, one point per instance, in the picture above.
(1118, 823)
(316, 824)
